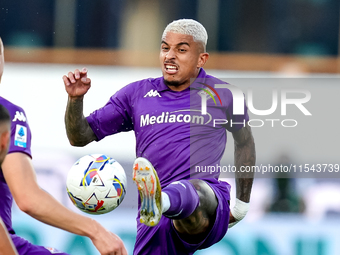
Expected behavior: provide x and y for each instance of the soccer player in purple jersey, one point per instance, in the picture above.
(180, 210)
(5, 128)
(18, 181)
(6, 244)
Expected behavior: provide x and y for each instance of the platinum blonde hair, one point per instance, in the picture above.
(188, 27)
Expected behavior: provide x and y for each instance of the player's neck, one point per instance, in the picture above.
(179, 88)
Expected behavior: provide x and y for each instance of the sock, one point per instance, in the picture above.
(179, 200)
(165, 202)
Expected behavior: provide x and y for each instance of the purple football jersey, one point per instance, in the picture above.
(171, 132)
(176, 137)
(20, 142)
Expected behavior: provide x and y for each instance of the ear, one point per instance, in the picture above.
(203, 58)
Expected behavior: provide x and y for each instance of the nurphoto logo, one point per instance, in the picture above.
(239, 109)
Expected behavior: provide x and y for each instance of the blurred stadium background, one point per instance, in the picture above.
(118, 41)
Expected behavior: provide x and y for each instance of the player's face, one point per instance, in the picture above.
(2, 61)
(181, 58)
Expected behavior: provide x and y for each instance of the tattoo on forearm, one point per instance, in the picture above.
(78, 130)
(245, 155)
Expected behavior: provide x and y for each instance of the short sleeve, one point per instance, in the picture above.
(114, 117)
(20, 133)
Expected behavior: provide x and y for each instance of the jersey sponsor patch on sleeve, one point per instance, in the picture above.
(20, 138)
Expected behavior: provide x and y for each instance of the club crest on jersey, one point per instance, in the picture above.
(20, 138)
(152, 93)
(20, 116)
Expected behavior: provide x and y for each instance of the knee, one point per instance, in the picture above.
(204, 215)
(208, 201)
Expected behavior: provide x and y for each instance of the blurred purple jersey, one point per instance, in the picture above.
(20, 142)
(171, 132)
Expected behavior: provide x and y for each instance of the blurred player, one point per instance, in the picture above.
(5, 132)
(6, 244)
(18, 181)
(172, 140)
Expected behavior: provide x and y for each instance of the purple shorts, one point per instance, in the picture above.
(164, 239)
(24, 247)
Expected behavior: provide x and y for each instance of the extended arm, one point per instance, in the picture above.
(78, 130)
(244, 156)
(21, 179)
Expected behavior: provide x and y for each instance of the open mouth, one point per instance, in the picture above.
(171, 69)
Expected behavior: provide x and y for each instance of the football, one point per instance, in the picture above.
(96, 184)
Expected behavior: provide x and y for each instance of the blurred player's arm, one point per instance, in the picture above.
(244, 155)
(31, 199)
(6, 245)
(78, 130)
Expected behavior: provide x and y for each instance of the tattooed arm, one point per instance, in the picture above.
(244, 156)
(78, 130)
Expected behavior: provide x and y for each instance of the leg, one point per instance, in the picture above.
(192, 203)
(194, 228)
(151, 240)
(146, 179)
